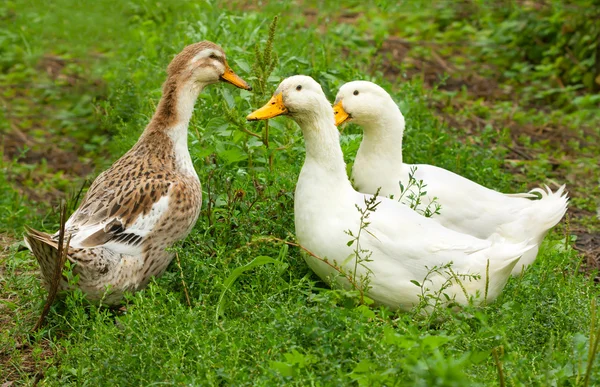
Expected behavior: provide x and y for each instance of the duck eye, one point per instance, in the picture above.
(214, 56)
(299, 87)
(355, 92)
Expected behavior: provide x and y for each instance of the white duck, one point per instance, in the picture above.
(466, 206)
(404, 245)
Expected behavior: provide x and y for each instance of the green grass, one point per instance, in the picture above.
(280, 324)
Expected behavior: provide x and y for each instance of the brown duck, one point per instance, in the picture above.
(147, 200)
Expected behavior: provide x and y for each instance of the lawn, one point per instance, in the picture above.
(504, 93)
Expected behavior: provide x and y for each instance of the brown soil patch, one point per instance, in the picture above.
(23, 361)
(397, 59)
(54, 66)
(589, 245)
(435, 70)
(39, 149)
(315, 18)
(36, 133)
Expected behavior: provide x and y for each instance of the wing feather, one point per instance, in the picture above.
(119, 218)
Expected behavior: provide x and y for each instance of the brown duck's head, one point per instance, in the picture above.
(204, 63)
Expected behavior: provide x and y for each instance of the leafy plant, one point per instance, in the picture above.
(413, 194)
(265, 61)
(362, 256)
(432, 300)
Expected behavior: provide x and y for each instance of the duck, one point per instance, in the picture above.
(146, 201)
(402, 254)
(466, 206)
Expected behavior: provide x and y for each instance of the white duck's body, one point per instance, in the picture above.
(403, 245)
(466, 206)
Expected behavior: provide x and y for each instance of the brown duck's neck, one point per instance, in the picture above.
(176, 105)
(170, 122)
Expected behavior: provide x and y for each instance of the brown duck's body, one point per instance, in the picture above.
(145, 202)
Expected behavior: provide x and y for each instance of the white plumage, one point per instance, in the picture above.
(404, 245)
(466, 206)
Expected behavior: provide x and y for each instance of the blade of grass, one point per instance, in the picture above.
(258, 261)
(594, 342)
(63, 251)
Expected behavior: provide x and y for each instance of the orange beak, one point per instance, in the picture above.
(340, 114)
(231, 77)
(273, 108)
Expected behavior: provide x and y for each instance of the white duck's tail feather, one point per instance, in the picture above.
(543, 214)
(552, 206)
(546, 212)
(524, 195)
(538, 216)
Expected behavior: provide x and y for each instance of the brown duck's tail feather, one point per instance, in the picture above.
(45, 251)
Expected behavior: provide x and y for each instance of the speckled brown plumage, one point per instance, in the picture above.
(147, 200)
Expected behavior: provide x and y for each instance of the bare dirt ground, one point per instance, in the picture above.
(35, 136)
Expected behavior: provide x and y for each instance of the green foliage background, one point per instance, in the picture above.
(279, 324)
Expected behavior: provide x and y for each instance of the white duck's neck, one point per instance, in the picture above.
(382, 136)
(324, 158)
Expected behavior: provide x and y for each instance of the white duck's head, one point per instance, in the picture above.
(298, 96)
(364, 103)
(203, 63)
